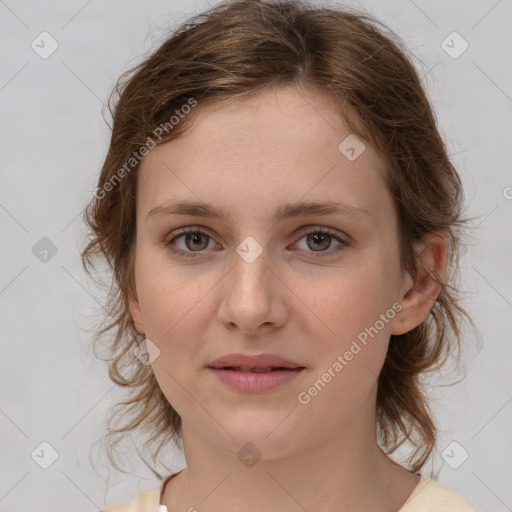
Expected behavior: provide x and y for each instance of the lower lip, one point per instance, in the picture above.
(256, 382)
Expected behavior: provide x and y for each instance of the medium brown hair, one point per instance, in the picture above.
(236, 49)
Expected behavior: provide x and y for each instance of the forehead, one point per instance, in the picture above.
(282, 143)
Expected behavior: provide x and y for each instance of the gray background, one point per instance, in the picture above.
(53, 139)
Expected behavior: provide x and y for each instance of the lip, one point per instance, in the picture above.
(253, 361)
(244, 379)
(253, 382)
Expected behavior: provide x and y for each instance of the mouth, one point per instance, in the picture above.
(256, 380)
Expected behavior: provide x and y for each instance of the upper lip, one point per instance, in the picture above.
(253, 361)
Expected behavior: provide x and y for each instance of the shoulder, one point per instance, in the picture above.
(144, 501)
(432, 496)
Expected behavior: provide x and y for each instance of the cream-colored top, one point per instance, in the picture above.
(428, 496)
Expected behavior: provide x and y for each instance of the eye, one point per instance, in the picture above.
(320, 239)
(195, 241)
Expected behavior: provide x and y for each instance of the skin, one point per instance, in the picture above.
(249, 157)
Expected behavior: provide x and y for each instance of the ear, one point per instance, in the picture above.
(418, 295)
(135, 312)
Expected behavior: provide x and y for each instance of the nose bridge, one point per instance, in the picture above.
(250, 299)
(251, 250)
(250, 264)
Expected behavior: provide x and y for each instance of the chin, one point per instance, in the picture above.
(264, 433)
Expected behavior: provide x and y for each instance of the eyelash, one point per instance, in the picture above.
(315, 230)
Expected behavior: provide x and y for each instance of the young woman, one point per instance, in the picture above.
(282, 222)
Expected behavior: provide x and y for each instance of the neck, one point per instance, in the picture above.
(347, 472)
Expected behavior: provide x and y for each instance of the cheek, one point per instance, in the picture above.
(348, 299)
(170, 294)
(353, 309)
(173, 307)
(351, 355)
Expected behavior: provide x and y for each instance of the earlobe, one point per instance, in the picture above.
(418, 295)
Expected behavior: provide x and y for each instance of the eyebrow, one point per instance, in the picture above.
(285, 211)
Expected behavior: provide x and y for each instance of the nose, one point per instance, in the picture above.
(253, 298)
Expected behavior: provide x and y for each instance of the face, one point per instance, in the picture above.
(304, 286)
